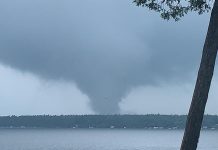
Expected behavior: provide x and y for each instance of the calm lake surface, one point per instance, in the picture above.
(99, 139)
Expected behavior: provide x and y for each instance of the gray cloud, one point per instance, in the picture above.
(106, 48)
(25, 94)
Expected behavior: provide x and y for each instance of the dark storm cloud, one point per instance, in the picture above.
(105, 47)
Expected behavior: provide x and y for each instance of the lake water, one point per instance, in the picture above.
(99, 139)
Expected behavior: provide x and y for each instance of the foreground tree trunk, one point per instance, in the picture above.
(205, 74)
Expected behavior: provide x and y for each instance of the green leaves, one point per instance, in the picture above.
(175, 9)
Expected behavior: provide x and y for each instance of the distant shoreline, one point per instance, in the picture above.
(146, 122)
(54, 128)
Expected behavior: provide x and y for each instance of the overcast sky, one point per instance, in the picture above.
(88, 57)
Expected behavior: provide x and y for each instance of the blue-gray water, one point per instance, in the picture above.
(99, 139)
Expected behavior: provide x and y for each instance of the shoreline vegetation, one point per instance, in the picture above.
(150, 121)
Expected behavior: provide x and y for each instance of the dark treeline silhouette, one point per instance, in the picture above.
(103, 121)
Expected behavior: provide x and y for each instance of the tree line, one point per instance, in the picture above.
(150, 121)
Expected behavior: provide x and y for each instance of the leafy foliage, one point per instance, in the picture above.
(175, 9)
